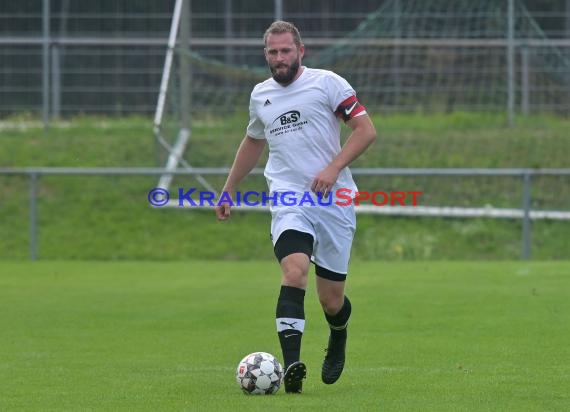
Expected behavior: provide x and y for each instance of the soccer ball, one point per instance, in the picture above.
(259, 373)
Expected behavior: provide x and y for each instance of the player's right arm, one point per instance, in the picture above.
(247, 156)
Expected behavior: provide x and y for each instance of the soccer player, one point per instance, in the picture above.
(297, 112)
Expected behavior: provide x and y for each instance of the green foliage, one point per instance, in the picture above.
(109, 217)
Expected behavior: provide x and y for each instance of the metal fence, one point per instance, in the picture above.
(62, 58)
(526, 213)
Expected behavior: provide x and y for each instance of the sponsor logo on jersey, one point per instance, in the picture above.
(289, 117)
(287, 122)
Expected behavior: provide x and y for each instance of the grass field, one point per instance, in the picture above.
(152, 336)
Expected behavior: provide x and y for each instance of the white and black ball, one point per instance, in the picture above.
(259, 373)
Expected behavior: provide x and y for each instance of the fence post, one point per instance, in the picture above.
(33, 215)
(525, 82)
(278, 9)
(45, 63)
(526, 226)
(55, 81)
(511, 62)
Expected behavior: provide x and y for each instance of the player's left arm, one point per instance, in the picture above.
(363, 135)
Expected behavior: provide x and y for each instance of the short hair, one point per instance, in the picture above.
(280, 26)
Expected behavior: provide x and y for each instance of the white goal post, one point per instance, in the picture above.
(180, 14)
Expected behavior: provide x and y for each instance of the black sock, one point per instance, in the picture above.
(290, 319)
(339, 322)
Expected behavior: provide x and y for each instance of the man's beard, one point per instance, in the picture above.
(288, 76)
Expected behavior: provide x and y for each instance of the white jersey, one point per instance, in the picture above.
(301, 128)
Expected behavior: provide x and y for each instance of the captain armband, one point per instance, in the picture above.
(350, 108)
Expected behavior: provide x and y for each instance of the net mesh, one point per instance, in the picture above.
(412, 55)
(409, 55)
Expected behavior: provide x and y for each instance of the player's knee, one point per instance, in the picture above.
(331, 302)
(295, 276)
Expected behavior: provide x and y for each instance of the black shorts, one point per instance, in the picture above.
(294, 241)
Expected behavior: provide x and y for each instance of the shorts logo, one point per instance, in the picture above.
(289, 117)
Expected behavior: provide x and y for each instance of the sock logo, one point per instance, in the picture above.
(291, 325)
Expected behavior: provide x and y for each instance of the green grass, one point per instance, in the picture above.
(148, 336)
(109, 217)
(404, 140)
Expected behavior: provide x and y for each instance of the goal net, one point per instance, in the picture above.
(443, 55)
(432, 56)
